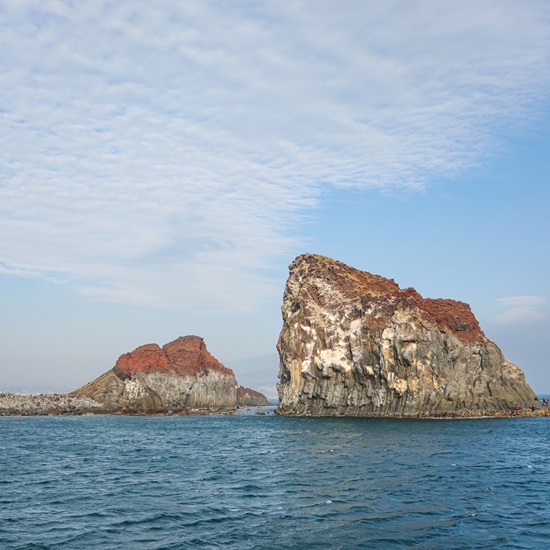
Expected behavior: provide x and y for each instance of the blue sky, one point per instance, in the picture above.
(163, 163)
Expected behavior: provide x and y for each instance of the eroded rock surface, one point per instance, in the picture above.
(180, 374)
(356, 344)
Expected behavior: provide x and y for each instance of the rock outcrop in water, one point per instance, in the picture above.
(251, 398)
(46, 404)
(356, 344)
(180, 374)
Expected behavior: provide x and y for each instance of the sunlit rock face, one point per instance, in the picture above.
(180, 374)
(356, 344)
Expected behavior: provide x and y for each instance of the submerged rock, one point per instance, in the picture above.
(180, 374)
(251, 398)
(356, 344)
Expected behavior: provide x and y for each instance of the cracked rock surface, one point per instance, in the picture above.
(357, 344)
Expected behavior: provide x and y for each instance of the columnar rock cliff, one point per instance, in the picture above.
(180, 374)
(356, 344)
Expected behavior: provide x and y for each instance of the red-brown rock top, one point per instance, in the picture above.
(350, 282)
(148, 358)
(450, 316)
(185, 356)
(454, 317)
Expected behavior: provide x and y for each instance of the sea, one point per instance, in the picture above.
(255, 481)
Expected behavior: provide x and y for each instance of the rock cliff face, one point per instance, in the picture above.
(180, 374)
(251, 398)
(356, 344)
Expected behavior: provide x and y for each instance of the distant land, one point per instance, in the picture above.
(259, 373)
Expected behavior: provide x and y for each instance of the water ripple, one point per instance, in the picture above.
(251, 482)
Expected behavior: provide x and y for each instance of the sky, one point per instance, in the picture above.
(162, 164)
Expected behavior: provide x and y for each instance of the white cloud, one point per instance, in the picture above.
(522, 301)
(524, 310)
(165, 153)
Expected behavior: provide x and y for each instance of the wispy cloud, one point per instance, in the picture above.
(521, 310)
(165, 153)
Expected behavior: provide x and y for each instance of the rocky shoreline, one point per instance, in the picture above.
(465, 414)
(46, 404)
(63, 404)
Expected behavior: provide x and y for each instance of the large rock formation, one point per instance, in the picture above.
(356, 344)
(180, 374)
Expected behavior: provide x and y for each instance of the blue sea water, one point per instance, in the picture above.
(271, 482)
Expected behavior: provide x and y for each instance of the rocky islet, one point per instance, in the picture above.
(352, 344)
(356, 344)
(182, 373)
(247, 397)
(180, 377)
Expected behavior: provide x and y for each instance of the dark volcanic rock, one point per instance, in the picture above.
(251, 398)
(356, 344)
(180, 374)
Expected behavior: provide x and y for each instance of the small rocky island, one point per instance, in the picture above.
(251, 398)
(356, 344)
(180, 377)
